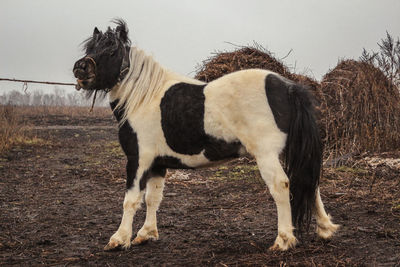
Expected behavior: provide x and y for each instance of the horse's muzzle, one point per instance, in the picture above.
(85, 72)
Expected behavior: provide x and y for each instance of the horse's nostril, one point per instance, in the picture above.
(79, 73)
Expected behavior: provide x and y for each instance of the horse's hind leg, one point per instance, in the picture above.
(325, 227)
(154, 194)
(278, 184)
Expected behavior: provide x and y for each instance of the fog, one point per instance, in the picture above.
(40, 40)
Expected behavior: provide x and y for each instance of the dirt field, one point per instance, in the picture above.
(61, 200)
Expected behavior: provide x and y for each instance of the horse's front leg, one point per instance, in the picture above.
(154, 194)
(132, 201)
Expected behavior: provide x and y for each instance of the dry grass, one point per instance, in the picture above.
(11, 130)
(70, 111)
(14, 121)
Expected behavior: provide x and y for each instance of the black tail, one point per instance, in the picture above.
(303, 155)
(294, 113)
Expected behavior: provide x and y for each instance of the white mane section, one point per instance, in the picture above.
(144, 80)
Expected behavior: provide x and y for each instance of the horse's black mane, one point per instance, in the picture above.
(108, 41)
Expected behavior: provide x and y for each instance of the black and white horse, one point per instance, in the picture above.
(171, 121)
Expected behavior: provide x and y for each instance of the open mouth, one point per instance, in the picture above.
(84, 83)
(85, 73)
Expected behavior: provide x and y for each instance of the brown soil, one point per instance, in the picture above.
(61, 200)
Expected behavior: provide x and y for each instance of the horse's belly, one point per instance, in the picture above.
(214, 152)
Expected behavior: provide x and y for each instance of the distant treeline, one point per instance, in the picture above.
(57, 98)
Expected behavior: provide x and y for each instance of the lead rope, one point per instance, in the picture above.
(94, 100)
(95, 92)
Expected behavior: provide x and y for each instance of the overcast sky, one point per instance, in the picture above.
(40, 39)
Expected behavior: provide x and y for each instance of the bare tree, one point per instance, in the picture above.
(37, 98)
(387, 59)
(57, 98)
(17, 98)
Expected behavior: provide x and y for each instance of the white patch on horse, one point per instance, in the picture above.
(238, 103)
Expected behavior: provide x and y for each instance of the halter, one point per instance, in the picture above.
(125, 65)
(93, 61)
(123, 70)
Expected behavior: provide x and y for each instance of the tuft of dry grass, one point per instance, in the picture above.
(11, 129)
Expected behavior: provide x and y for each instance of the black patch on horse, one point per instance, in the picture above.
(277, 91)
(170, 162)
(129, 143)
(159, 168)
(118, 113)
(217, 149)
(153, 171)
(182, 120)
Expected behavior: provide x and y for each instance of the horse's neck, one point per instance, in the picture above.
(145, 82)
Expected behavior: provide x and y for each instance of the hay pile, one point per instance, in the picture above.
(360, 109)
(243, 58)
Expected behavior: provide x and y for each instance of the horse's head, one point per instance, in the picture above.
(106, 60)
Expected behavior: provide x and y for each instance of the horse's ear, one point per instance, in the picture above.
(122, 33)
(96, 31)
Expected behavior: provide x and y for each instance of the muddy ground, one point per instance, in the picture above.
(61, 200)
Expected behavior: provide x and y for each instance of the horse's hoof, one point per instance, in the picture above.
(112, 245)
(283, 242)
(115, 245)
(327, 230)
(141, 239)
